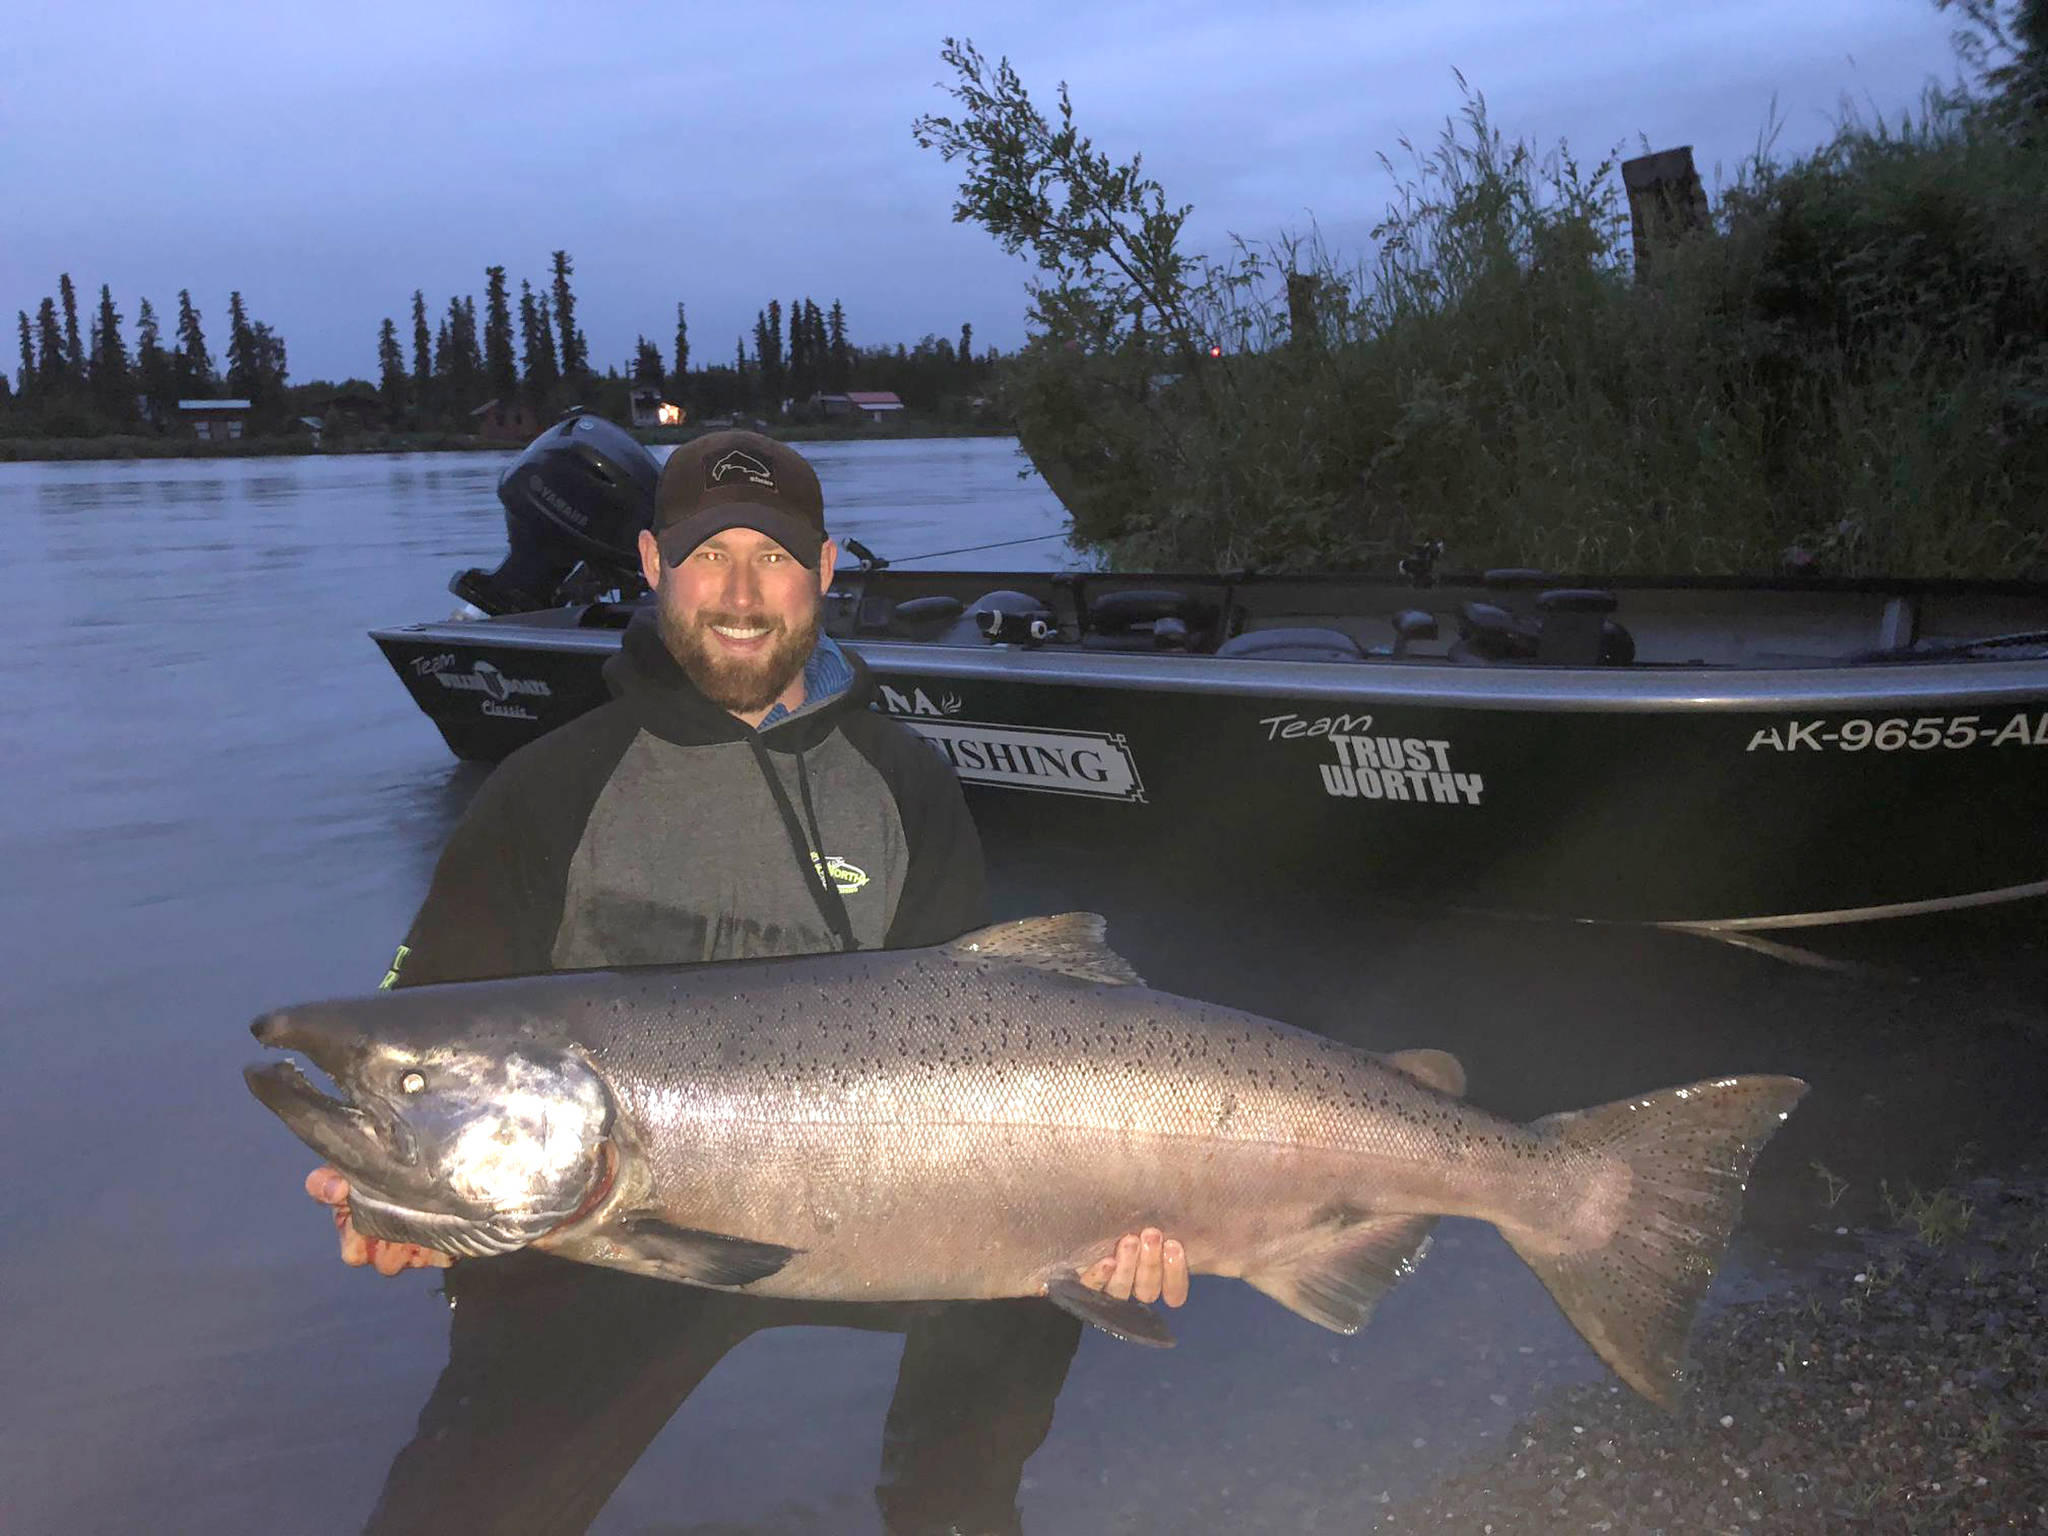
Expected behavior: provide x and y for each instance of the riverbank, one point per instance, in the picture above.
(1901, 1387)
(79, 449)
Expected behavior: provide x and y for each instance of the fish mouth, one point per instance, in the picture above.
(357, 1137)
(336, 1128)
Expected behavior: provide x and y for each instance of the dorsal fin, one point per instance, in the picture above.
(1070, 943)
(1433, 1069)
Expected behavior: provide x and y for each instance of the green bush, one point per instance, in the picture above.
(1849, 368)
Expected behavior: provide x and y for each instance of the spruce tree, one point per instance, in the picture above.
(155, 375)
(50, 376)
(113, 381)
(243, 381)
(25, 380)
(966, 344)
(472, 344)
(647, 367)
(537, 333)
(74, 349)
(391, 371)
(501, 370)
(271, 372)
(742, 376)
(423, 401)
(444, 367)
(768, 349)
(193, 368)
(575, 353)
(800, 383)
(841, 371)
(682, 374)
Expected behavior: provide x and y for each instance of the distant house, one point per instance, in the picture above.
(875, 404)
(214, 421)
(497, 421)
(350, 412)
(650, 410)
(870, 404)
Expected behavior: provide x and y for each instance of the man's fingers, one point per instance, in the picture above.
(1174, 1284)
(1146, 1279)
(327, 1186)
(1147, 1266)
(1126, 1270)
(389, 1258)
(355, 1248)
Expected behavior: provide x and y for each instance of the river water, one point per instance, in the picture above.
(220, 800)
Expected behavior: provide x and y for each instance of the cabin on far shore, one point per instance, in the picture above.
(499, 421)
(214, 421)
(650, 409)
(868, 404)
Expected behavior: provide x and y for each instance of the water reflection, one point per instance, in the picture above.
(559, 1376)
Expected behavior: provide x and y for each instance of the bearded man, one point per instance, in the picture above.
(735, 799)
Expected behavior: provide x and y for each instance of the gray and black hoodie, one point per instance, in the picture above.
(658, 829)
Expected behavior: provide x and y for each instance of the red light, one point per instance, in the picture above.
(1215, 351)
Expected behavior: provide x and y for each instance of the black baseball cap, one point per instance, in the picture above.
(738, 480)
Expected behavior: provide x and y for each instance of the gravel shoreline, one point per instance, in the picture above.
(1900, 1385)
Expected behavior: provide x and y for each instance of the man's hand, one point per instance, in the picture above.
(1147, 1265)
(331, 1189)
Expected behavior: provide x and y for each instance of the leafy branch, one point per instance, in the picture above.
(1104, 231)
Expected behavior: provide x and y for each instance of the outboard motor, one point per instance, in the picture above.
(575, 502)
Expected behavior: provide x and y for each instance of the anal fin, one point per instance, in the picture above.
(1339, 1277)
(1132, 1321)
(706, 1258)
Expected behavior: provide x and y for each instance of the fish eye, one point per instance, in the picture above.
(412, 1082)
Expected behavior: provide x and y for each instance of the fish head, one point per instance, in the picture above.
(471, 1143)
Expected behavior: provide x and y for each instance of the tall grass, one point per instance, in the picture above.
(1848, 371)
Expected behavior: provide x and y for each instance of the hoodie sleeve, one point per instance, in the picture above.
(488, 912)
(495, 904)
(945, 888)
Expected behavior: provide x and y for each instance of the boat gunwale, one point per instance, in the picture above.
(1415, 680)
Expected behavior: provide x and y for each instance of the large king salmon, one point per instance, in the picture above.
(984, 1119)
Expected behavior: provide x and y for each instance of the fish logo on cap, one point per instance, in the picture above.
(738, 462)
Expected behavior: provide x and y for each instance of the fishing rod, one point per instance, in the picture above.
(871, 561)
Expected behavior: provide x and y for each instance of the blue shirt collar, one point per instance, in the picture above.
(828, 672)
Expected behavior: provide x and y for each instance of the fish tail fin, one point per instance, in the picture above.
(1667, 1174)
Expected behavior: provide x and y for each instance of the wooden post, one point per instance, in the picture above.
(1665, 200)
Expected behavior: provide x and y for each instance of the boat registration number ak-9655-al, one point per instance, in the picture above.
(1901, 733)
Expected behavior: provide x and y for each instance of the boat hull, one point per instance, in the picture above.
(1722, 797)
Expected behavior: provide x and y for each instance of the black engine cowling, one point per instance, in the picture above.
(575, 502)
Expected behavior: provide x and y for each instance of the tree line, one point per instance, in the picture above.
(68, 385)
(528, 355)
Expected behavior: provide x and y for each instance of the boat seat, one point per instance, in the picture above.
(1302, 644)
(1573, 629)
(1146, 619)
(1014, 618)
(919, 618)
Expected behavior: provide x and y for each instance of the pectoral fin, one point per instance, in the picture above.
(705, 1258)
(1129, 1320)
(1340, 1276)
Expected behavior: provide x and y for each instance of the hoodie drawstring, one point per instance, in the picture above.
(808, 849)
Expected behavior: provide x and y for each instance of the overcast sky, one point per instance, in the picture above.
(328, 159)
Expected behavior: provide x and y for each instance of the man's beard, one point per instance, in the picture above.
(738, 684)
